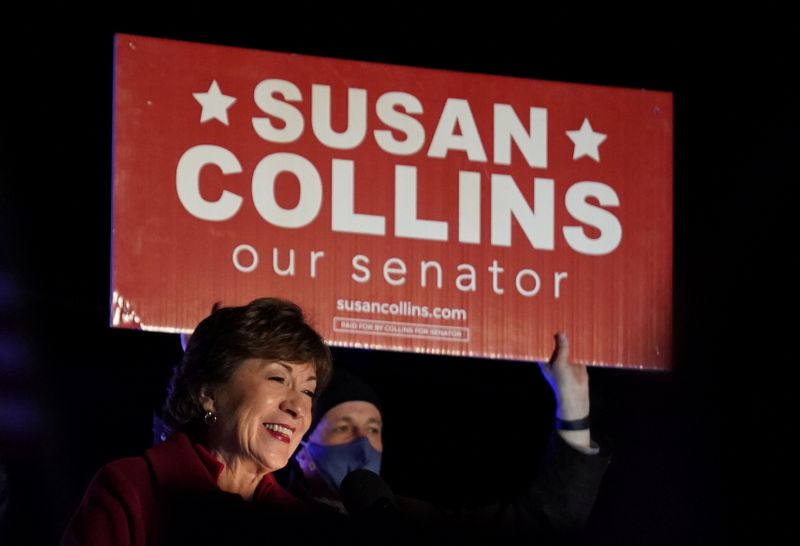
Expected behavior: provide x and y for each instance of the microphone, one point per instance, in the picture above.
(364, 493)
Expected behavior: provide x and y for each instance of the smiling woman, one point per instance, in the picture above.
(238, 404)
(265, 408)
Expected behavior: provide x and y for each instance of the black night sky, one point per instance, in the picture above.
(699, 453)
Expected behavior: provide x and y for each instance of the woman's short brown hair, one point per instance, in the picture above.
(268, 328)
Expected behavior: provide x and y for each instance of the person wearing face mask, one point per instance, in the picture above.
(346, 435)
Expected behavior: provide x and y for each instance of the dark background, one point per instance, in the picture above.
(699, 453)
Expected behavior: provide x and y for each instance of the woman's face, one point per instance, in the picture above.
(262, 412)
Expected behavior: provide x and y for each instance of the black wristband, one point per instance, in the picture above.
(577, 424)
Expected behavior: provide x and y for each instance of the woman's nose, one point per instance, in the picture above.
(293, 405)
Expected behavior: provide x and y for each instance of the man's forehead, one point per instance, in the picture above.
(353, 409)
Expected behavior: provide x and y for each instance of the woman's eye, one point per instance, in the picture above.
(278, 378)
(374, 431)
(310, 394)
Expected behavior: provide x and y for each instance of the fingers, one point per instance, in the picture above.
(561, 351)
(562, 344)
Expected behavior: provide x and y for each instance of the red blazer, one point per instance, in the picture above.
(129, 500)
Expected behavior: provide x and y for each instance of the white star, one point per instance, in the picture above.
(215, 104)
(586, 141)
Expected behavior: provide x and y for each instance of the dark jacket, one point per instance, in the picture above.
(552, 509)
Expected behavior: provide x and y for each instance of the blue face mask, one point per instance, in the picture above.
(335, 462)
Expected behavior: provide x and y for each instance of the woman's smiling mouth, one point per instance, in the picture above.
(280, 432)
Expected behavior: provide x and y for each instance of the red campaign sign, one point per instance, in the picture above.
(403, 208)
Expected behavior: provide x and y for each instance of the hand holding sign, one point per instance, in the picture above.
(570, 384)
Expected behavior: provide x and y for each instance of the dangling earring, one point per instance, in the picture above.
(210, 418)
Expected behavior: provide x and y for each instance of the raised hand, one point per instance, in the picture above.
(570, 384)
